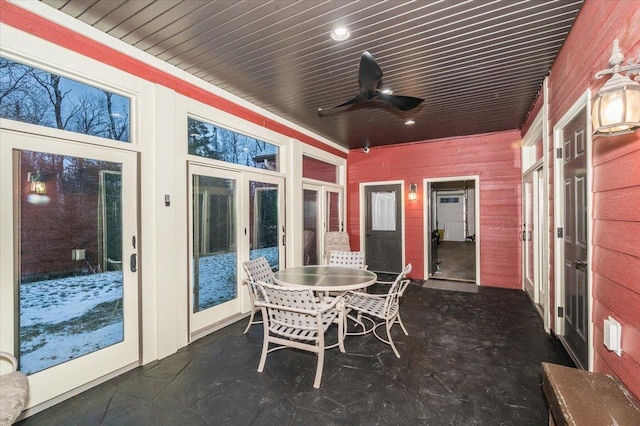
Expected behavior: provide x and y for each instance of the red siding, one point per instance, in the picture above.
(494, 157)
(616, 181)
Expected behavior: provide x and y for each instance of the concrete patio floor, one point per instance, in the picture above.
(470, 358)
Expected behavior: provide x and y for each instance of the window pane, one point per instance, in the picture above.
(310, 231)
(71, 280)
(319, 170)
(333, 211)
(218, 143)
(39, 97)
(383, 214)
(264, 222)
(214, 241)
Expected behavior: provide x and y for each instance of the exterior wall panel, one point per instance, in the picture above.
(616, 181)
(494, 157)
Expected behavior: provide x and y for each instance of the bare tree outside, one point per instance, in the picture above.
(35, 96)
(217, 143)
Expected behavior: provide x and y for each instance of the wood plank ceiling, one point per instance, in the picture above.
(478, 64)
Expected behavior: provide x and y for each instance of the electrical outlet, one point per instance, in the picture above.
(612, 335)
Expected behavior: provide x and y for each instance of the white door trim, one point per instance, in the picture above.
(539, 130)
(426, 197)
(584, 101)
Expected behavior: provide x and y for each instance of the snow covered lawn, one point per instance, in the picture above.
(66, 318)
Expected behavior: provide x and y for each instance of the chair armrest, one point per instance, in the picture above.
(336, 303)
(366, 295)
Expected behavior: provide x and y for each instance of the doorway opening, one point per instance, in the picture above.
(452, 224)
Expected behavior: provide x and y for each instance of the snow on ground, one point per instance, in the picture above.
(69, 317)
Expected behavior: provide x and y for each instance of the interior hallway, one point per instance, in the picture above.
(469, 359)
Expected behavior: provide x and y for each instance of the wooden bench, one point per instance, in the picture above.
(578, 397)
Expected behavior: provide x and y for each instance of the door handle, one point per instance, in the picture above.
(133, 260)
(581, 264)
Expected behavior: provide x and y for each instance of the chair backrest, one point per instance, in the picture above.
(353, 259)
(258, 270)
(288, 309)
(397, 289)
(335, 240)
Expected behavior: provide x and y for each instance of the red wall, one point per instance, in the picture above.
(616, 181)
(495, 158)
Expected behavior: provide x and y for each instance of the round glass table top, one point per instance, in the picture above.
(325, 277)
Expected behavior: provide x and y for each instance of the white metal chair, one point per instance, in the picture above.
(257, 270)
(334, 240)
(353, 259)
(14, 390)
(376, 307)
(294, 319)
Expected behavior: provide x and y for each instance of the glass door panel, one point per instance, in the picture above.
(75, 305)
(214, 245)
(310, 229)
(266, 225)
(334, 211)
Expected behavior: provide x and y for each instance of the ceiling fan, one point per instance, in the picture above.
(369, 76)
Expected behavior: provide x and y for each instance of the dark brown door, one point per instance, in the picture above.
(576, 271)
(383, 237)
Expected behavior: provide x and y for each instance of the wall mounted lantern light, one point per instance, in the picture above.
(616, 106)
(38, 194)
(413, 191)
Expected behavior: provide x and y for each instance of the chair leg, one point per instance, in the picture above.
(265, 349)
(316, 382)
(253, 312)
(399, 320)
(342, 320)
(393, 346)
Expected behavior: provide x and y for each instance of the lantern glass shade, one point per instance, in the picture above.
(616, 107)
(413, 192)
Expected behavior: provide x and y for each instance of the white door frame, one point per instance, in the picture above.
(583, 102)
(66, 379)
(539, 130)
(426, 197)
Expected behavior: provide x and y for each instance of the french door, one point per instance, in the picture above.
(69, 282)
(234, 216)
(533, 234)
(575, 248)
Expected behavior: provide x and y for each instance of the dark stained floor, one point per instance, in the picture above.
(469, 359)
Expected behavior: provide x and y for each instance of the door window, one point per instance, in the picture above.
(214, 242)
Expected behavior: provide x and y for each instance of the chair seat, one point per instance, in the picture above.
(371, 305)
(295, 332)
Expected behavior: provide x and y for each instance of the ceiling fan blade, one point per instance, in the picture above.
(326, 111)
(403, 103)
(369, 75)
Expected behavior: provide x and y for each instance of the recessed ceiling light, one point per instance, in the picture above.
(387, 91)
(340, 34)
(409, 122)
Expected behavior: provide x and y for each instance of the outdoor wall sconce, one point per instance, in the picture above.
(616, 106)
(38, 193)
(413, 192)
